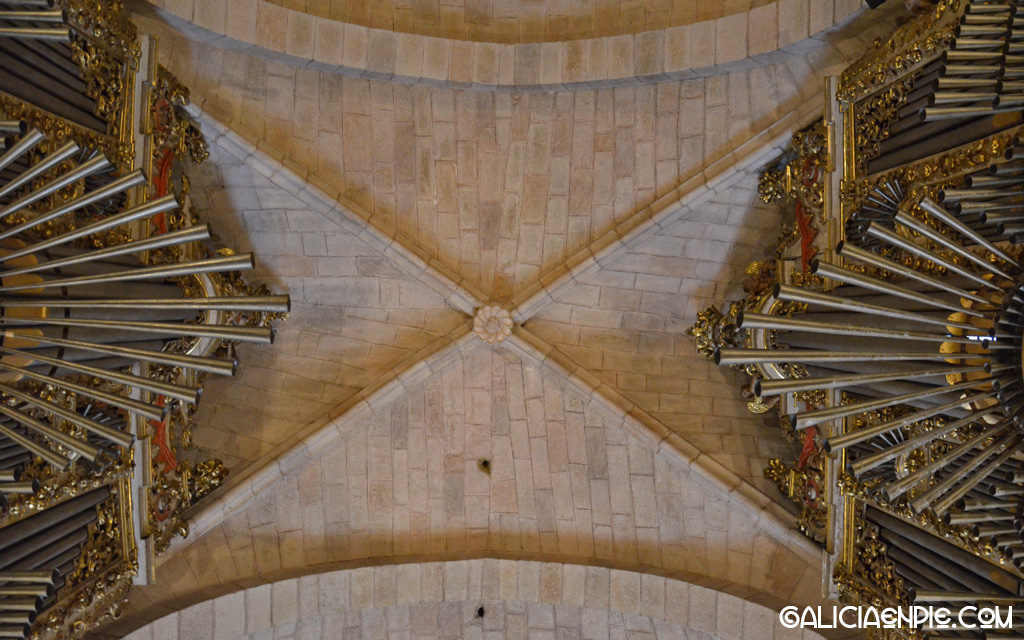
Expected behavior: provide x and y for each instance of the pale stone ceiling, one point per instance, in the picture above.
(602, 218)
(521, 20)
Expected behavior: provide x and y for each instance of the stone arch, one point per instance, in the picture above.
(443, 599)
(763, 35)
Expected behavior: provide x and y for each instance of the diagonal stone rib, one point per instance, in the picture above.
(747, 158)
(634, 420)
(328, 201)
(314, 439)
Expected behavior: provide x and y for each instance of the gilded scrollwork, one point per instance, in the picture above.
(909, 46)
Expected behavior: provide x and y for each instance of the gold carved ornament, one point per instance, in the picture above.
(909, 46)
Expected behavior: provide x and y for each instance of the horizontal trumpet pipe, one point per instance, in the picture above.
(135, 406)
(121, 438)
(854, 252)
(747, 320)
(850, 438)
(34, 16)
(88, 168)
(188, 234)
(743, 356)
(933, 235)
(777, 387)
(32, 577)
(178, 392)
(209, 365)
(268, 304)
(866, 463)
(849, 277)
(42, 589)
(209, 265)
(17, 127)
(971, 517)
(259, 335)
(937, 211)
(948, 82)
(80, 447)
(49, 162)
(974, 504)
(23, 146)
(896, 488)
(926, 595)
(54, 34)
(943, 504)
(9, 475)
(812, 418)
(931, 114)
(832, 301)
(26, 487)
(985, 530)
(960, 195)
(133, 179)
(52, 458)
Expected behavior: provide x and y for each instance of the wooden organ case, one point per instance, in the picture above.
(886, 328)
(115, 305)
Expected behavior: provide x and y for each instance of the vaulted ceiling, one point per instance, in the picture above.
(603, 209)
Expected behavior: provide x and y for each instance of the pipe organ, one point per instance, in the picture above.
(886, 330)
(116, 303)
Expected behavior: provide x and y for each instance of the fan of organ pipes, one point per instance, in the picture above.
(68, 310)
(940, 340)
(971, 90)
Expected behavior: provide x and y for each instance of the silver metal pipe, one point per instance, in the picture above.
(80, 447)
(971, 517)
(778, 387)
(52, 458)
(795, 294)
(866, 463)
(88, 168)
(259, 335)
(209, 265)
(9, 475)
(188, 234)
(23, 146)
(268, 304)
(209, 365)
(943, 504)
(33, 16)
(848, 250)
(121, 438)
(135, 406)
(849, 277)
(926, 595)
(892, 239)
(812, 418)
(17, 127)
(850, 438)
(743, 356)
(49, 162)
(133, 179)
(23, 487)
(41, 589)
(29, 576)
(747, 320)
(976, 193)
(178, 392)
(937, 211)
(931, 114)
(896, 488)
(32, 33)
(973, 504)
(933, 235)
